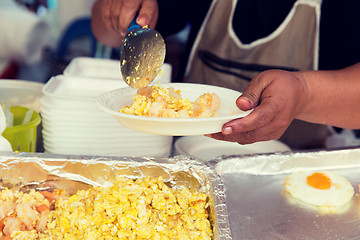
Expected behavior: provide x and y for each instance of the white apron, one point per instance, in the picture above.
(220, 58)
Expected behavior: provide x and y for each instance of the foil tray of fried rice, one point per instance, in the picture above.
(48, 196)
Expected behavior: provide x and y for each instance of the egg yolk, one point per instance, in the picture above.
(319, 181)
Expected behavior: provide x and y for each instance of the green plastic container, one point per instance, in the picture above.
(22, 137)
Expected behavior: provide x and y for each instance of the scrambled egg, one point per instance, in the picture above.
(130, 209)
(156, 101)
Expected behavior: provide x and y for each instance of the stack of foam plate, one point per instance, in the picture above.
(74, 124)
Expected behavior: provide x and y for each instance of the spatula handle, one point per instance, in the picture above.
(133, 25)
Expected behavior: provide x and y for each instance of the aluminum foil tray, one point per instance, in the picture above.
(259, 209)
(72, 173)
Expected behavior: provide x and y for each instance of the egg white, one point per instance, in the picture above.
(339, 194)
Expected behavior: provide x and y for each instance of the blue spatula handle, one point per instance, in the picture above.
(133, 25)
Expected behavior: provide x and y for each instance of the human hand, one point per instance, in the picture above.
(276, 97)
(118, 14)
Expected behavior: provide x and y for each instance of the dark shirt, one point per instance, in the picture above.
(254, 19)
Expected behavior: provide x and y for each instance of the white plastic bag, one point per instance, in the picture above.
(4, 144)
(346, 138)
(24, 35)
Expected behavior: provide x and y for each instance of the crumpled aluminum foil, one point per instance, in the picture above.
(20, 171)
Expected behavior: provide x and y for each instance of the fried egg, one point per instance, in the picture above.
(322, 189)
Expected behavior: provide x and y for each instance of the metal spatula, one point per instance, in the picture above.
(142, 55)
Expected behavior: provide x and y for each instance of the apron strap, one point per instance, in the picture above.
(225, 65)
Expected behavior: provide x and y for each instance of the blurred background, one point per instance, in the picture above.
(38, 41)
(39, 38)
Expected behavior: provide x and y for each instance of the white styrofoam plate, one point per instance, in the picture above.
(107, 69)
(101, 143)
(81, 126)
(93, 67)
(72, 134)
(79, 137)
(79, 88)
(63, 104)
(76, 129)
(153, 152)
(113, 101)
(90, 116)
(205, 148)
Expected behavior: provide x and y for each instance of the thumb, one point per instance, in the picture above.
(250, 97)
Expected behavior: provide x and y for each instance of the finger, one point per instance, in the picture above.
(243, 138)
(115, 15)
(217, 136)
(128, 12)
(105, 14)
(148, 14)
(252, 95)
(257, 135)
(244, 104)
(259, 117)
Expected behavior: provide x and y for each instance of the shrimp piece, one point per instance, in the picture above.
(27, 215)
(156, 109)
(42, 222)
(206, 113)
(183, 113)
(44, 210)
(7, 203)
(6, 208)
(3, 210)
(209, 100)
(206, 105)
(169, 113)
(13, 224)
(145, 91)
(160, 99)
(174, 94)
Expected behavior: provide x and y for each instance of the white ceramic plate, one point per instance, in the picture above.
(114, 100)
(205, 148)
